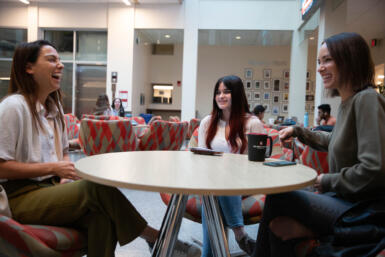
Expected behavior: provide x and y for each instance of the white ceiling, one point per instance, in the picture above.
(103, 1)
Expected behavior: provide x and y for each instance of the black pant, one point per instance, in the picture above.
(318, 212)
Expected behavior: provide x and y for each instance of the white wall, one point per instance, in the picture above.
(13, 15)
(159, 16)
(217, 61)
(70, 15)
(140, 78)
(261, 15)
(166, 69)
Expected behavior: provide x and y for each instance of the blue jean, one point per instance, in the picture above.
(231, 209)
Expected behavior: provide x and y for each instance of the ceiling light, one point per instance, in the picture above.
(311, 38)
(163, 87)
(238, 37)
(24, 1)
(380, 76)
(5, 78)
(167, 36)
(127, 2)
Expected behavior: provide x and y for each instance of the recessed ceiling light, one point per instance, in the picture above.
(5, 78)
(238, 37)
(311, 38)
(380, 76)
(167, 36)
(127, 2)
(24, 1)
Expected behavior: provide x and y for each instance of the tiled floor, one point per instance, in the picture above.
(150, 205)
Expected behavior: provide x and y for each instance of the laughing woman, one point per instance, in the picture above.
(351, 207)
(34, 161)
(225, 130)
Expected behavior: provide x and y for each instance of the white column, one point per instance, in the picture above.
(33, 22)
(190, 59)
(298, 65)
(120, 52)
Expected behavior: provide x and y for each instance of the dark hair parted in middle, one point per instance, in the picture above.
(352, 57)
(238, 116)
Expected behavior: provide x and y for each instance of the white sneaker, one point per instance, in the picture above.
(185, 249)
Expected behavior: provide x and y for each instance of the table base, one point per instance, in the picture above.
(172, 220)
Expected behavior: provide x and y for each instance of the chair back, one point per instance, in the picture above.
(163, 135)
(193, 124)
(36, 240)
(104, 136)
(72, 125)
(138, 120)
(100, 117)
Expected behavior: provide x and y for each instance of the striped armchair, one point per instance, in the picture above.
(19, 240)
(163, 135)
(104, 136)
(100, 117)
(192, 125)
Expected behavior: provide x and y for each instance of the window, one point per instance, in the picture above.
(84, 74)
(9, 38)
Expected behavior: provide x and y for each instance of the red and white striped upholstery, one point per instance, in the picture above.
(18, 240)
(72, 124)
(100, 117)
(138, 120)
(163, 135)
(104, 136)
(192, 125)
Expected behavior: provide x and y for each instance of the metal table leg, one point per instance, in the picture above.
(215, 227)
(168, 233)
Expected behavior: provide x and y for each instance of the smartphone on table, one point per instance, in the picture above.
(279, 163)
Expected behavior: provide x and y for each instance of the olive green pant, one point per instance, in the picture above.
(103, 213)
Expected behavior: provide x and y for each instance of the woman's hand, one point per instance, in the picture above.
(317, 183)
(285, 135)
(65, 169)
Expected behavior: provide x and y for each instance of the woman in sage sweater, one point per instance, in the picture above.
(356, 157)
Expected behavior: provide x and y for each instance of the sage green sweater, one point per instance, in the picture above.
(356, 147)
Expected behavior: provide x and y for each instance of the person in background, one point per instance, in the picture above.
(259, 111)
(225, 131)
(117, 107)
(350, 208)
(103, 106)
(324, 118)
(35, 164)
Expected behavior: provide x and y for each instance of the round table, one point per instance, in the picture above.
(182, 173)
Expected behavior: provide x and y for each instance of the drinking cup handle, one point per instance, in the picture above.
(271, 146)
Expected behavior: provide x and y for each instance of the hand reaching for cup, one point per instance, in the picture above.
(286, 135)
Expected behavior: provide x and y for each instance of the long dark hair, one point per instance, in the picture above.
(352, 56)
(23, 83)
(121, 109)
(238, 116)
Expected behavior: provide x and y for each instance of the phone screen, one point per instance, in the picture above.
(279, 163)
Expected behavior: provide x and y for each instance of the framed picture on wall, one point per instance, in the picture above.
(248, 84)
(267, 73)
(275, 98)
(275, 110)
(308, 75)
(248, 73)
(276, 85)
(285, 97)
(286, 85)
(266, 84)
(248, 95)
(286, 74)
(309, 97)
(285, 108)
(257, 96)
(308, 86)
(266, 96)
(257, 84)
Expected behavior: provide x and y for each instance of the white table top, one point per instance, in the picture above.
(189, 173)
